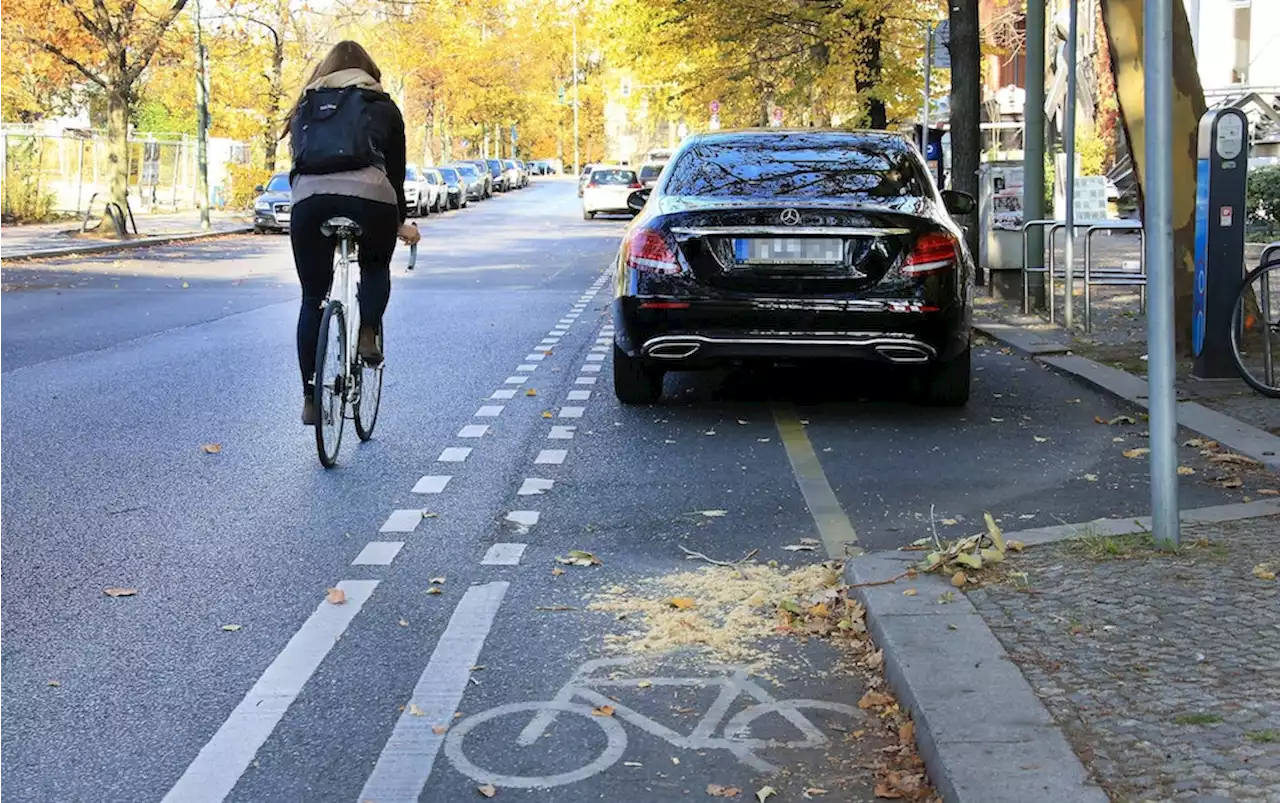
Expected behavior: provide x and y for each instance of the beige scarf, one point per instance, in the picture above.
(352, 76)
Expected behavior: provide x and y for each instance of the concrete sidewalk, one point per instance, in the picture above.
(63, 238)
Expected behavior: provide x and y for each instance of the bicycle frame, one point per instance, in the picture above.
(348, 287)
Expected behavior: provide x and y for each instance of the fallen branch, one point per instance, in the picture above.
(891, 580)
(691, 555)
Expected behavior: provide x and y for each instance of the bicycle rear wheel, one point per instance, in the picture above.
(369, 396)
(330, 383)
(1255, 330)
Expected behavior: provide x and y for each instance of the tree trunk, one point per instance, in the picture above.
(117, 150)
(275, 94)
(1123, 19)
(877, 115)
(966, 108)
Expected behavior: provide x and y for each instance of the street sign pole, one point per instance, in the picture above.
(202, 125)
(1033, 136)
(1157, 57)
(928, 69)
(1069, 135)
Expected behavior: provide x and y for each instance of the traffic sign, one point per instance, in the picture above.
(941, 45)
(715, 107)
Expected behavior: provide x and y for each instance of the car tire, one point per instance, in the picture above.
(946, 384)
(588, 215)
(633, 381)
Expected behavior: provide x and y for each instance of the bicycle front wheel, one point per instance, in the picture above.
(369, 396)
(331, 383)
(1255, 330)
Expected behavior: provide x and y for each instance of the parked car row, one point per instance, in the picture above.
(427, 190)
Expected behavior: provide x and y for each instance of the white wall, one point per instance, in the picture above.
(1216, 44)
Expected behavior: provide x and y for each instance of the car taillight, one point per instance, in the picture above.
(934, 252)
(636, 185)
(648, 251)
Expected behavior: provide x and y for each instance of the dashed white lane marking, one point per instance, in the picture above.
(431, 484)
(550, 457)
(572, 412)
(527, 368)
(221, 762)
(406, 761)
(473, 431)
(515, 380)
(549, 341)
(566, 321)
(603, 341)
(562, 433)
(523, 519)
(378, 553)
(595, 358)
(454, 454)
(592, 369)
(599, 349)
(559, 331)
(503, 554)
(579, 395)
(489, 411)
(507, 393)
(532, 486)
(538, 357)
(402, 521)
(586, 380)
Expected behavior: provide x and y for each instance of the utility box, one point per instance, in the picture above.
(1000, 226)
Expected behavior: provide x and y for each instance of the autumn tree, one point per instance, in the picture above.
(107, 42)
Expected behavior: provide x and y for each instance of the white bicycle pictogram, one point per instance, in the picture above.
(735, 735)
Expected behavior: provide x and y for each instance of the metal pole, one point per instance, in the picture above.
(1157, 56)
(1069, 134)
(202, 117)
(577, 155)
(1033, 133)
(928, 69)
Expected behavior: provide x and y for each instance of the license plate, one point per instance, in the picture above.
(789, 251)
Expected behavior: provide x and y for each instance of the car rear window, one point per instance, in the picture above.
(799, 166)
(410, 174)
(613, 177)
(449, 175)
(650, 172)
(279, 183)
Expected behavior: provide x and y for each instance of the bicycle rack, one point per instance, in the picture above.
(1117, 277)
(1026, 261)
(112, 210)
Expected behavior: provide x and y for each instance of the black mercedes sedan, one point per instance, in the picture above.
(785, 245)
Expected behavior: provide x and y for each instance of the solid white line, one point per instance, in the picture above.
(592, 369)
(579, 395)
(221, 762)
(508, 393)
(503, 554)
(515, 380)
(489, 411)
(532, 486)
(561, 433)
(550, 457)
(455, 454)
(586, 380)
(406, 761)
(572, 412)
(473, 431)
(431, 484)
(402, 521)
(527, 368)
(378, 553)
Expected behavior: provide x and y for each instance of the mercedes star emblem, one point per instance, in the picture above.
(791, 217)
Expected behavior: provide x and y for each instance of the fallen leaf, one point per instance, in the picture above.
(335, 596)
(436, 581)
(959, 579)
(414, 710)
(681, 603)
(764, 793)
(713, 514)
(435, 590)
(231, 628)
(427, 514)
(603, 711)
(950, 522)
(716, 790)
(632, 764)
(1185, 471)
(1121, 419)
(577, 557)
(54, 683)
(820, 611)
(883, 790)
(644, 684)
(1237, 459)
(910, 592)
(1073, 401)
(763, 440)
(907, 734)
(994, 531)
(557, 571)
(120, 592)
(1231, 482)
(1194, 443)
(874, 699)
(185, 285)
(997, 420)
(1268, 492)
(810, 541)
(1015, 546)
(1097, 419)
(709, 432)
(531, 392)
(1039, 439)
(1090, 477)
(404, 622)
(675, 761)
(813, 791)
(875, 660)
(211, 448)
(440, 730)
(1132, 453)
(555, 608)
(1264, 571)
(487, 790)
(547, 414)
(799, 547)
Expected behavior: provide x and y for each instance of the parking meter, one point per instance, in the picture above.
(1221, 174)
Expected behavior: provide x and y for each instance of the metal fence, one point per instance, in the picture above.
(58, 173)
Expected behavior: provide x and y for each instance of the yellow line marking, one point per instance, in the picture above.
(837, 533)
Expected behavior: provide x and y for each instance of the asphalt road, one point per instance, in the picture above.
(118, 369)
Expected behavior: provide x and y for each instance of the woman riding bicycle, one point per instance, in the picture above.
(347, 143)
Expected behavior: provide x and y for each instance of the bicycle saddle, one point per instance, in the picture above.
(343, 227)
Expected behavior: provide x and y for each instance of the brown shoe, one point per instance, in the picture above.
(367, 348)
(309, 416)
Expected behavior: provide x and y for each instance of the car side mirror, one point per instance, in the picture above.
(958, 203)
(259, 189)
(637, 199)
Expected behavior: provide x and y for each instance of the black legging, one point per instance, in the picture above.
(313, 258)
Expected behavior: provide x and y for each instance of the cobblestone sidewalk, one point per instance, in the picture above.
(1163, 670)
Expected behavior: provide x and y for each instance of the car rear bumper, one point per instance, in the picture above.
(717, 331)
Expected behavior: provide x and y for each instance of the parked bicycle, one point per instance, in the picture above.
(342, 378)
(1255, 324)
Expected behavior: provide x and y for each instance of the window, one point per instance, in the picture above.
(410, 174)
(450, 176)
(279, 183)
(613, 177)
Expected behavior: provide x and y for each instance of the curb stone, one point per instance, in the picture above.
(984, 735)
(106, 248)
(1230, 432)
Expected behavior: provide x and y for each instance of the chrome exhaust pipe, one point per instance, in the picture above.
(673, 350)
(903, 353)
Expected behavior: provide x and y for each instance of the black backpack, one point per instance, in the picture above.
(332, 131)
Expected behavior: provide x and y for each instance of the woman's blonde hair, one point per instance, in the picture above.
(345, 55)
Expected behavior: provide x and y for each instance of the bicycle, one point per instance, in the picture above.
(1255, 328)
(736, 733)
(342, 377)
